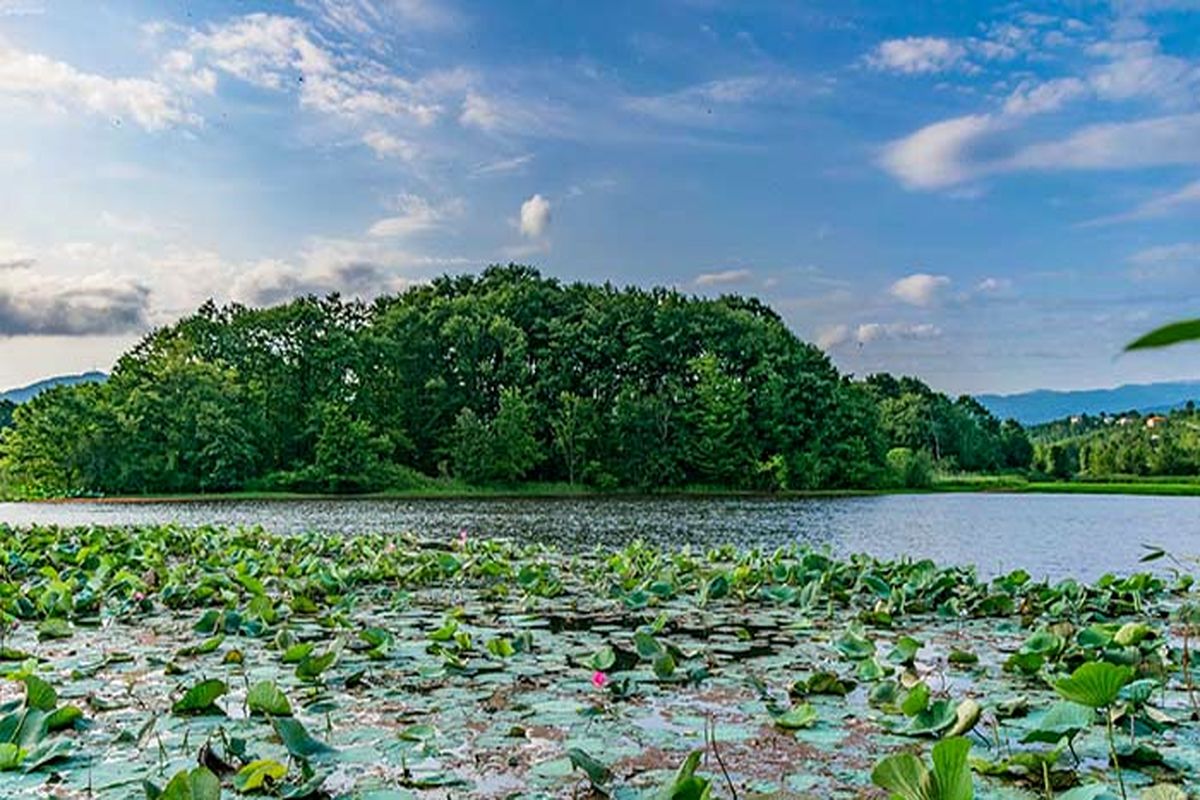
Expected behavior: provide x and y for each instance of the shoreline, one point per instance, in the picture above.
(554, 492)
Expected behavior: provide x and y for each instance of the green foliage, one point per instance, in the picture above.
(912, 470)
(1095, 684)
(907, 778)
(1174, 333)
(494, 378)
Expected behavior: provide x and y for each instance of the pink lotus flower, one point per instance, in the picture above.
(462, 537)
(138, 596)
(599, 679)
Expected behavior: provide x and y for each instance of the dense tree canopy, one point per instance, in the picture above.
(1120, 445)
(499, 377)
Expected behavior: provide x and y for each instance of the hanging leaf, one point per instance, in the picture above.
(1174, 333)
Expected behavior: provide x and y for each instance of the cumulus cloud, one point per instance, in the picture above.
(33, 304)
(916, 55)
(723, 278)
(535, 217)
(919, 289)
(415, 214)
(60, 86)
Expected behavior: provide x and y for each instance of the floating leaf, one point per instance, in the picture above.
(297, 740)
(1063, 720)
(200, 698)
(802, 716)
(259, 775)
(597, 774)
(265, 697)
(199, 784)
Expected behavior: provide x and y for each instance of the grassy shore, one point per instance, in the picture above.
(455, 490)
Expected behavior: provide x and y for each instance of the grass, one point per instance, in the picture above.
(1179, 486)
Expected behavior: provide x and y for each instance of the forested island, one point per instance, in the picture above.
(504, 378)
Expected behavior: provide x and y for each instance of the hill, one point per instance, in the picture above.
(26, 393)
(1046, 405)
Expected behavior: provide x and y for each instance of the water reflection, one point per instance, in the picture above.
(1052, 535)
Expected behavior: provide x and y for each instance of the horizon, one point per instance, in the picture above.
(993, 200)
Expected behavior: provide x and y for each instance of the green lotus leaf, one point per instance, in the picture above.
(1096, 684)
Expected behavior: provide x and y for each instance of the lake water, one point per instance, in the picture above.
(1082, 536)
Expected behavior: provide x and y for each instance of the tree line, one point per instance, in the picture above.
(1128, 444)
(498, 378)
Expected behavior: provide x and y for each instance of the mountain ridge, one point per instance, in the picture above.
(1045, 405)
(22, 394)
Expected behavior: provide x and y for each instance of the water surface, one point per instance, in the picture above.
(1082, 536)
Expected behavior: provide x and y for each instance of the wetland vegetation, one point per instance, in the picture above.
(187, 663)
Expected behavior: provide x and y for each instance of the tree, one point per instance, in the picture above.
(514, 449)
(574, 429)
(471, 447)
(718, 445)
(7, 407)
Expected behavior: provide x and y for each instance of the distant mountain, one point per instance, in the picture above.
(34, 389)
(1044, 405)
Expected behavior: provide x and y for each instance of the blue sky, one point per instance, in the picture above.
(992, 196)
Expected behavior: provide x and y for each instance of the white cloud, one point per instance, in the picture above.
(504, 166)
(1159, 206)
(278, 53)
(874, 331)
(60, 86)
(941, 154)
(1139, 69)
(833, 336)
(349, 267)
(480, 112)
(724, 277)
(966, 148)
(535, 217)
(917, 55)
(1160, 141)
(993, 286)
(33, 303)
(919, 289)
(719, 102)
(379, 17)
(415, 215)
(837, 336)
(21, 8)
(1038, 98)
(1166, 262)
(385, 145)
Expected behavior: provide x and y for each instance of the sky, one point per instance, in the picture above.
(992, 196)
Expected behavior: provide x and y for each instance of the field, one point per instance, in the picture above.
(199, 662)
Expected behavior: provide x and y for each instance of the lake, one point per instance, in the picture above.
(1081, 536)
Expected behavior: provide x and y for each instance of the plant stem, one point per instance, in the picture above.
(1112, 749)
